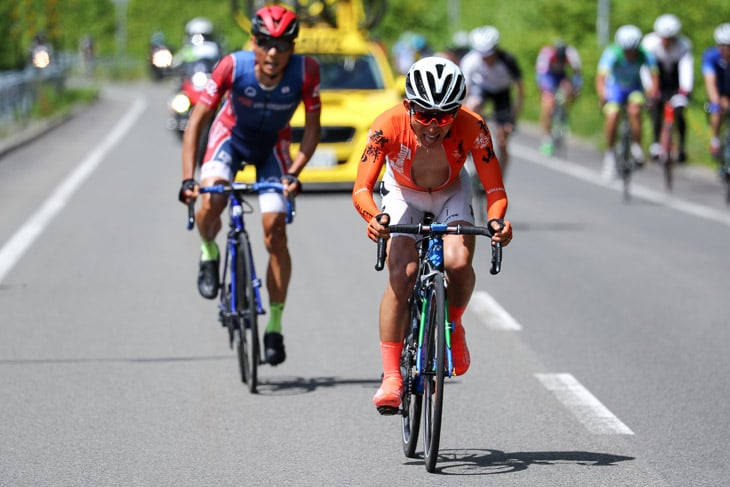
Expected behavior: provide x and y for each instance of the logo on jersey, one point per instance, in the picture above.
(250, 91)
(400, 159)
(481, 141)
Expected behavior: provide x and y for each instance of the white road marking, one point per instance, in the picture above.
(491, 313)
(660, 197)
(584, 405)
(21, 241)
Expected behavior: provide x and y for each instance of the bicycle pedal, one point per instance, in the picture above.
(388, 410)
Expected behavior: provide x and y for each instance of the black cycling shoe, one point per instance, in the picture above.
(274, 348)
(208, 281)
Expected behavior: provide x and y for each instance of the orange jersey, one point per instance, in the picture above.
(392, 141)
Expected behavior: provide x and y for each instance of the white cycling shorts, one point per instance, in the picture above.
(407, 206)
(269, 202)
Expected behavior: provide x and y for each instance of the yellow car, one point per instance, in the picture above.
(357, 84)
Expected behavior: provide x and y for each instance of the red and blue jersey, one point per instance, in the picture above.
(254, 114)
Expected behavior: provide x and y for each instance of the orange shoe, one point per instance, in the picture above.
(459, 350)
(387, 399)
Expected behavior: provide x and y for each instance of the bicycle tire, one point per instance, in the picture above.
(559, 129)
(433, 388)
(624, 161)
(412, 398)
(247, 345)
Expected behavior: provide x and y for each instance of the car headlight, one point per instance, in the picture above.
(162, 58)
(180, 103)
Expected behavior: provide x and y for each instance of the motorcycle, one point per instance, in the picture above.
(160, 58)
(194, 77)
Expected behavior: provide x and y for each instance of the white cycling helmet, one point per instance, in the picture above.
(667, 26)
(199, 25)
(628, 37)
(722, 34)
(484, 39)
(435, 83)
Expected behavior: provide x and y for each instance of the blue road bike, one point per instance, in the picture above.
(240, 296)
(426, 359)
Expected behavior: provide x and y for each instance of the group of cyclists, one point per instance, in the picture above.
(636, 71)
(422, 143)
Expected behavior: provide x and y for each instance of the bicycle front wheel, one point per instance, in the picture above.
(435, 365)
(248, 343)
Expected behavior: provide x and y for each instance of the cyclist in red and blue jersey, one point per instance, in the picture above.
(259, 91)
(716, 72)
(558, 67)
(618, 82)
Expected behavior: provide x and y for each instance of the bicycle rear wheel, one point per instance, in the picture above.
(247, 344)
(435, 365)
(412, 389)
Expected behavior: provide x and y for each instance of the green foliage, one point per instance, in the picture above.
(524, 26)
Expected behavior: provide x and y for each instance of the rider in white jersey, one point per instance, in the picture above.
(673, 53)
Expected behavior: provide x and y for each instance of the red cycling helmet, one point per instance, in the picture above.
(275, 21)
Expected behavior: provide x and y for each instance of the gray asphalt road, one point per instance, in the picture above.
(597, 354)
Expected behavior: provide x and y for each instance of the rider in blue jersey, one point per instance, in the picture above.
(260, 91)
(618, 82)
(716, 72)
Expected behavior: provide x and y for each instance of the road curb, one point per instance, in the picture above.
(34, 129)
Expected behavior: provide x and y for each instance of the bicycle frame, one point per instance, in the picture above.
(240, 295)
(237, 226)
(559, 122)
(427, 357)
(625, 162)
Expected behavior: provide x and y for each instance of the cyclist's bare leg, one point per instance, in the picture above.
(402, 267)
(278, 272)
(547, 103)
(503, 131)
(458, 257)
(610, 128)
(634, 112)
(208, 216)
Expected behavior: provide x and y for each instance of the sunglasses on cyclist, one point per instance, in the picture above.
(425, 117)
(281, 45)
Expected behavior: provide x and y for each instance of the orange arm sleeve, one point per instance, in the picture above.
(490, 174)
(371, 164)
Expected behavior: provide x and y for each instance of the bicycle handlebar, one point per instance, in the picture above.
(443, 229)
(245, 188)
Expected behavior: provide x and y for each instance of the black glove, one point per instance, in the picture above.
(291, 178)
(187, 185)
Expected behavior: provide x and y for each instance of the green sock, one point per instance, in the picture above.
(275, 310)
(208, 250)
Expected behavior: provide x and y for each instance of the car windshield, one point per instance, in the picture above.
(340, 72)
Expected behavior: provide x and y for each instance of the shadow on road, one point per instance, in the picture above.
(490, 462)
(291, 386)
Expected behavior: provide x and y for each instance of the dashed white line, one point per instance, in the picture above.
(491, 313)
(585, 406)
(21, 241)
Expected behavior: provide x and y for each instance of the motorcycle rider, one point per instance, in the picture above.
(199, 45)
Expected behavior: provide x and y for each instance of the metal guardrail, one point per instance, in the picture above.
(19, 91)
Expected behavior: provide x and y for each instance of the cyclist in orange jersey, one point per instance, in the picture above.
(424, 144)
